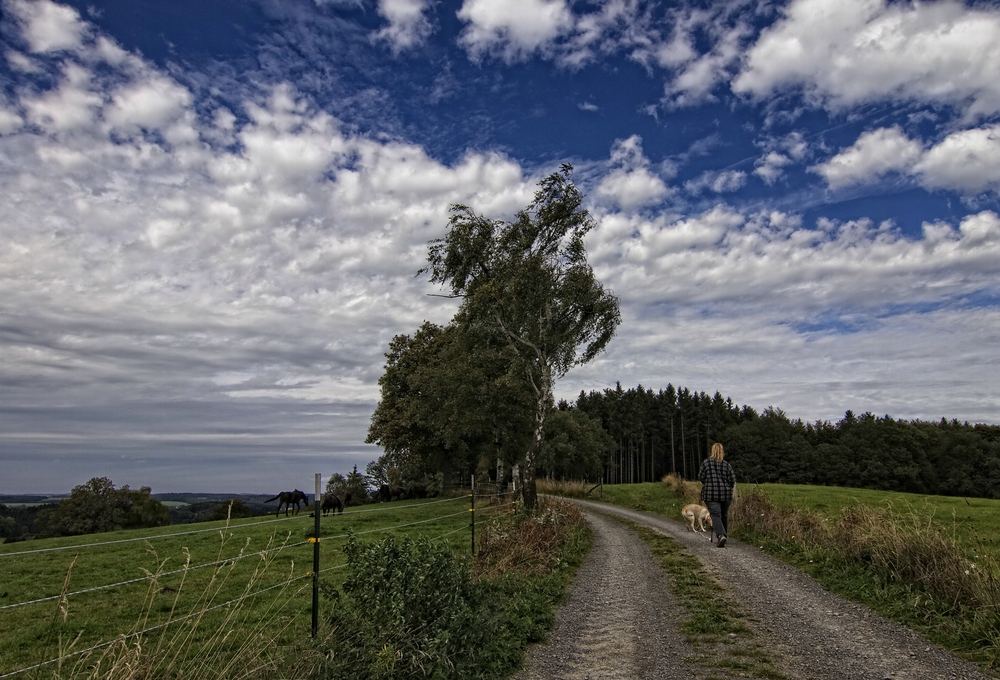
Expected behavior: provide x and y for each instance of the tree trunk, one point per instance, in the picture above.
(529, 495)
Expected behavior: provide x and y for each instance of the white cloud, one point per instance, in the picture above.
(874, 154)
(695, 78)
(46, 26)
(151, 104)
(10, 121)
(74, 104)
(846, 52)
(771, 167)
(631, 185)
(717, 182)
(514, 29)
(408, 23)
(967, 161)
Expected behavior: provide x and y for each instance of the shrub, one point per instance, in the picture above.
(409, 608)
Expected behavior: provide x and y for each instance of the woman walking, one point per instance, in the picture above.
(717, 483)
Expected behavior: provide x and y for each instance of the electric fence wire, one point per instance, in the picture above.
(146, 538)
(258, 553)
(202, 531)
(224, 604)
(156, 627)
(146, 578)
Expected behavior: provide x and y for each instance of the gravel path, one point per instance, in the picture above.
(619, 620)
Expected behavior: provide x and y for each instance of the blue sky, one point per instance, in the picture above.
(213, 213)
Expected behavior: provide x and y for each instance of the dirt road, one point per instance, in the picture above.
(620, 620)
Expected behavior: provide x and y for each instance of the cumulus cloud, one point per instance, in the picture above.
(631, 184)
(967, 161)
(874, 154)
(717, 182)
(46, 26)
(855, 51)
(408, 23)
(771, 166)
(514, 29)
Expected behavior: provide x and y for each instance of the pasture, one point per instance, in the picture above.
(974, 523)
(190, 585)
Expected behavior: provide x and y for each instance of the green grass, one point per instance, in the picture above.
(34, 633)
(973, 522)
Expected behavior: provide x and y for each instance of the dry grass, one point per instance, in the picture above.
(902, 546)
(525, 543)
(568, 489)
(686, 491)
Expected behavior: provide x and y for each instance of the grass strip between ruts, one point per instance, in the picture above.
(713, 624)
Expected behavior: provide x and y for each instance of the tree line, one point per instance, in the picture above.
(672, 429)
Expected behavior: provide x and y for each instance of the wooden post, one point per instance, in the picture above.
(472, 513)
(315, 599)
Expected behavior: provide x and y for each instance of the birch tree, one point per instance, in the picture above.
(530, 281)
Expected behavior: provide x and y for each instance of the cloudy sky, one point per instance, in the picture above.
(212, 213)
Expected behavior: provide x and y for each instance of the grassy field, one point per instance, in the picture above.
(189, 588)
(929, 562)
(974, 523)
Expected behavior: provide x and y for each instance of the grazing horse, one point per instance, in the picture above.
(287, 498)
(388, 493)
(332, 503)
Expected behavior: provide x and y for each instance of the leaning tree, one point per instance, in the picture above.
(529, 281)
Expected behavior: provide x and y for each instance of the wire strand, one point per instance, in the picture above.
(156, 627)
(258, 553)
(147, 538)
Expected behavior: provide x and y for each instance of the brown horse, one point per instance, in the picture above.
(286, 498)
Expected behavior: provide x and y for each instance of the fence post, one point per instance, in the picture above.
(472, 512)
(316, 532)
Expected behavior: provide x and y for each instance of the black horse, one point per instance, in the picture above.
(331, 503)
(287, 498)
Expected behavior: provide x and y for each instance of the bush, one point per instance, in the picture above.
(409, 608)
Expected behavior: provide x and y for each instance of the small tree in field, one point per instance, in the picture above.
(529, 280)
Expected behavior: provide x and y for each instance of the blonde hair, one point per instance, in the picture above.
(717, 453)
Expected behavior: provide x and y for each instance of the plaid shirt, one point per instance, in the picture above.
(717, 480)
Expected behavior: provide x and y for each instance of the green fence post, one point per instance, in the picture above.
(316, 532)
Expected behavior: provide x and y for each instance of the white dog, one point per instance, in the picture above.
(699, 513)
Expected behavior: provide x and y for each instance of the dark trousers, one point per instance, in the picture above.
(719, 510)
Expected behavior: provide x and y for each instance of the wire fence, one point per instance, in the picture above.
(364, 515)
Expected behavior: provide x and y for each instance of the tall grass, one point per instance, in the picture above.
(899, 560)
(214, 637)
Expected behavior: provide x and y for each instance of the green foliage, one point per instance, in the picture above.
(408, 609)
(449, 397)
(656, 433)
(529, 281)
(98, 506)
(575, 446)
